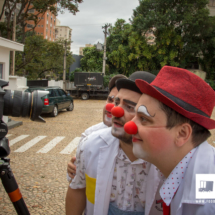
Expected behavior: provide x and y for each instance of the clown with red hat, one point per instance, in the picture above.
(170, 130)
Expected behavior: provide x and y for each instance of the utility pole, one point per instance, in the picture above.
(104, 56)
(12, 71)
(64, 67)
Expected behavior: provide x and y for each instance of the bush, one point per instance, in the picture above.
(107, 79)
(211, 83)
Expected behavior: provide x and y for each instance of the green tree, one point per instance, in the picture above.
(117, 47)
(42, 57)
(207, 56)
(92, 60)
(179, 28)
(128, 51)
(23, 13)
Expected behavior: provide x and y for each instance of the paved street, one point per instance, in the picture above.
(39, 155)
(40, 152)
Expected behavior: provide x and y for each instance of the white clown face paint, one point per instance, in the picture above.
(143, 109)
(138, 151)
(108, 119)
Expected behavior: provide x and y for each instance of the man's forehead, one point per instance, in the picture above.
(147, 101)
(128, 95)
(113, 92)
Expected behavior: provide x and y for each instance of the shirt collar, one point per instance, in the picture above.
(171, 184)
(122, 156)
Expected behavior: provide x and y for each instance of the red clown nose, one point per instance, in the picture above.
(109, 107)
(117, 112)
(130, 127)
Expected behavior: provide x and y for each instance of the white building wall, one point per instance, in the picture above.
(54, 83)
(17, 83)
(5, 47)
(4, 59)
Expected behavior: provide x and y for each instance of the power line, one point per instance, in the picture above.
(87, 24)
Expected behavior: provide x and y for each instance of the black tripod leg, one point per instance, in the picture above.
(11, 187)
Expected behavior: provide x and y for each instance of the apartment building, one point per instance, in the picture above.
(63, 33)
(57, 22)
(211, 7)
(45, 26)
(81, 49)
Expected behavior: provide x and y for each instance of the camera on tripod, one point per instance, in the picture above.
(17, 104)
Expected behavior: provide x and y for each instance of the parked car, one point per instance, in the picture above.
(55, 101)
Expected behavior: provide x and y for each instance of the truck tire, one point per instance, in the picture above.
(85, 96)
(54, 112)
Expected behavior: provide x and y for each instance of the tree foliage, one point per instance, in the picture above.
(180, 28)
(117, 47)
(42, 57)
(128, 51)
(23, 14)
(207, 56)
(92, 60)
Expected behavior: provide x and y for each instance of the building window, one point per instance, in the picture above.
(38, 25)
(41, 33)
(42, 26)
(1, 71)
(38, 33)
(31, 11)
(42, 18)
(29, 26)
(39, 18)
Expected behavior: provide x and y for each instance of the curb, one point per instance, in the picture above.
(12, 124)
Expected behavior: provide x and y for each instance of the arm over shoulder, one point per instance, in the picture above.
(79, 180)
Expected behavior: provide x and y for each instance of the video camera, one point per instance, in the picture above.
(16, 103)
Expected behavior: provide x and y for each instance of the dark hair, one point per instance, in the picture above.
(199, 133)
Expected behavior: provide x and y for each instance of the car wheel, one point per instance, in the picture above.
(54, 112)
(85, 96)
(71, 106)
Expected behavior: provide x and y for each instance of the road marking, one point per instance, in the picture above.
(30, 144)
(12, 142)
(72, 145)
(8, 135)
(50, 145)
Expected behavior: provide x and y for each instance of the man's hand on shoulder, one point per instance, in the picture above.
(71, 168)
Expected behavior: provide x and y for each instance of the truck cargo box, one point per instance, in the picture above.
(88, 79)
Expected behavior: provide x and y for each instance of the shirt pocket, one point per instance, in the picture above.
(90, 188)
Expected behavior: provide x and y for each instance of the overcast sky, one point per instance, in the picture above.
(93, 14)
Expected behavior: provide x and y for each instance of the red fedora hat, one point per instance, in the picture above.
(184, 92)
